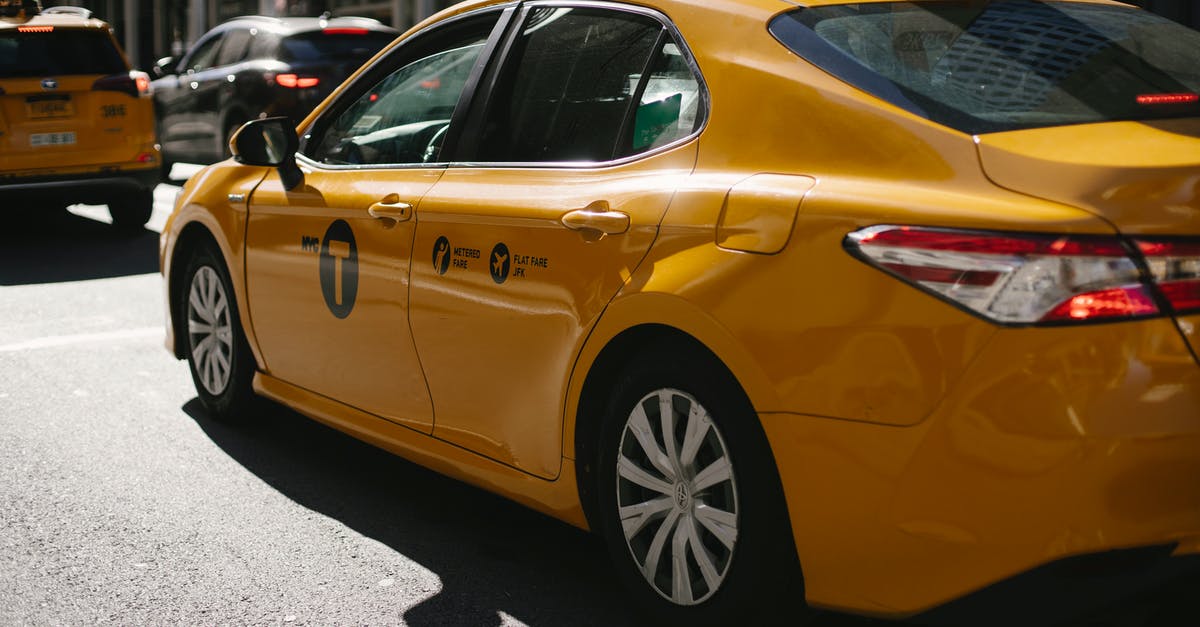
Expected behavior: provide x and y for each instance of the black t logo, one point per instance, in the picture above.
(339, 268)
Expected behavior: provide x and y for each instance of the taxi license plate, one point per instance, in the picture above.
(51, 139)
(43, 108)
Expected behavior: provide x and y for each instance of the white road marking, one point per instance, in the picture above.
(82, 338)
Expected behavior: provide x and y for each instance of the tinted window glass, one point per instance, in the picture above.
(669, 107)
(317, 46)
(203, 56)
(568, 91)
(263, 45)
(234, 50)
(993, 66)
(62, 52)
(403, 118)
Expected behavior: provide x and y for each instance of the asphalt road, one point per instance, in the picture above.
(122, 502)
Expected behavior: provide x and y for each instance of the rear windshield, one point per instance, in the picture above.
(58, 53)
(983, 67)
(321, 45)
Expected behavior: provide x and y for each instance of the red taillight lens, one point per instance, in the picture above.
(1162, 99)
(345, 31)
(1175, 265)
(1013, 278)
(293, 81)
(136, 84)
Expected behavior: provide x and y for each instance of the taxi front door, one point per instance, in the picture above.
(328, 288)
(328, 262)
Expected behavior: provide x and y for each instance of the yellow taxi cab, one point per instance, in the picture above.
(76, 123)
(891, 307)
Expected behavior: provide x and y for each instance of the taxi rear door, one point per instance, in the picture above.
(567, 171)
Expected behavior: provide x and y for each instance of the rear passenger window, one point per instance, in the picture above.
(588, 85)
(234, 50)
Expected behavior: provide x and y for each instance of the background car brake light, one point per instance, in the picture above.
(1175, 265)
(293, 81)
(136, 84)
(345, 31)
(1013, 278)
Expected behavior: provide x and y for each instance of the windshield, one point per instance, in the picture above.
(58, 53)
(993, 66)
(322, 45)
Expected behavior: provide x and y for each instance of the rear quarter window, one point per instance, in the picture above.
(1004, 65)
(61, 52)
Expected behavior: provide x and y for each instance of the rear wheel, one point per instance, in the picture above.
(690, 502)
(131, 212)
(218, 354)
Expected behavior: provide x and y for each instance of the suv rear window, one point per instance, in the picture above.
(993, 66)
(60, 52)
(319, 45)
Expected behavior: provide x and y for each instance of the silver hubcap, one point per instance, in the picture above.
(677, 496)
(210, 333)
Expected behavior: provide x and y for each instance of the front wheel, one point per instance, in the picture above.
(218, 354)
(690, 502)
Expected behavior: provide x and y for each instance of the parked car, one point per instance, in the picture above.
(251, 67)
(891, 307)
(76, 122)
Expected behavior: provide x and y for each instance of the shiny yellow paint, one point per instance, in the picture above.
(511, 346)
(112, 130)
(367, 360)
(925, 453)
(1098, 450)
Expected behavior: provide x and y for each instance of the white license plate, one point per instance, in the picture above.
(51, 139)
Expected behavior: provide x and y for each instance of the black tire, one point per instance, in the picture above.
(131, 212)
(758, 576)
(166, 165)
(222, 370)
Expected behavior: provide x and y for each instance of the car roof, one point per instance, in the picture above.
(774, 6)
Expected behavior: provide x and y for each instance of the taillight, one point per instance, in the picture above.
(294, 81)
(135, 83)
(345, 31)
(1175, 266)
(1013, 278)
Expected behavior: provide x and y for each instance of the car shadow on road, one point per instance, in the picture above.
(40, 245)
(493, 557)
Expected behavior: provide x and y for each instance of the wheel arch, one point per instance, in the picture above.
(193, 234)
(191, 237)
(618, 339)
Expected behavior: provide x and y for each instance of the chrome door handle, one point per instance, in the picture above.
(598, 219)
(391, 208)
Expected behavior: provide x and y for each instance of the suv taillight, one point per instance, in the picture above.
(136, 84)
(295, 81)
(1013, 278)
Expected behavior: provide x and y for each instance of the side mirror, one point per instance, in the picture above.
(269, 142)
(164, 67)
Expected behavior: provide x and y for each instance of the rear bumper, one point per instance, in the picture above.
(1054, 444)
(98, 188)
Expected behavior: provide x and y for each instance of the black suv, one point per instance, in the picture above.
(251, 67)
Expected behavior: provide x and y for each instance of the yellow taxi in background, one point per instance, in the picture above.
(76, 123)
(890, 307)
